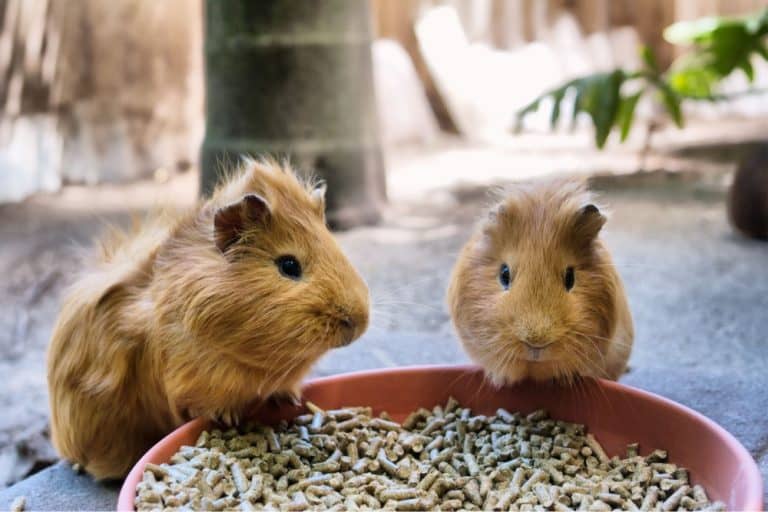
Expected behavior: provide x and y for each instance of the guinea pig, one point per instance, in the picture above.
(203, 313)
(534, 293)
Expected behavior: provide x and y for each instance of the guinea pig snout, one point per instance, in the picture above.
(536, 349)
(536, 343)
(352, 324)
(534, 330)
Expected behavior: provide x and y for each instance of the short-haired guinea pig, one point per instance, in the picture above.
(203, 313)
(534, 293)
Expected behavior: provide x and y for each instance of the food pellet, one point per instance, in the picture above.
(446, 458)
(19, 504)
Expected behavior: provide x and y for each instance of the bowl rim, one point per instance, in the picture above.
(751, 473)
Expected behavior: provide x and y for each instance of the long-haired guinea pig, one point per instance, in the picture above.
(534, 293)
(199, 314)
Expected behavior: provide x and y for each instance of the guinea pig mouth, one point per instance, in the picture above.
(347, 329)
(537, 353)
(346, 337)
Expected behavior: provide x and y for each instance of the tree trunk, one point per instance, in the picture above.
(294, 78)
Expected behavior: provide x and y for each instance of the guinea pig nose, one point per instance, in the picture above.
(348, 329)
(347, 322)
(351, 324)
(537, 344)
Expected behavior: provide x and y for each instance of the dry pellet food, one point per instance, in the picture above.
(446, 458)
(19, 504)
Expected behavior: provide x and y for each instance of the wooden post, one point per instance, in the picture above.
(294, 77)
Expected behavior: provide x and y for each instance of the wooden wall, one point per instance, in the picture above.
(509, 23)
(121, 82)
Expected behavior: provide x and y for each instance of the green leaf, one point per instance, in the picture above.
(557, 97)
(762, 51)
(758, 24)
(649, 58)
(685, 32)
(531, 107)
(721, 45)
(671, 102)
(598, 96)
(601, 102)
(693, 80)
(557, 94)
(627, 113)
(746, 67)
(577, 103)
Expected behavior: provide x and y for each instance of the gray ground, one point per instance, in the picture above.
(698, 292)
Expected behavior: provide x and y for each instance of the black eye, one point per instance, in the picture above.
(569, 278)
(289, 266)
(504, 276)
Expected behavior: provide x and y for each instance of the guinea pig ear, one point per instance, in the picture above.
(231, 220)
(318, 195)
(497, 214)
(589, 221)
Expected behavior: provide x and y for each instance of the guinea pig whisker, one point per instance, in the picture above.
(628, 265)
(379, 322)
(583, 388)
(594, 336)
(381, 313)
(584, 361)
(594, 390)
(588, 362)
(379, 329)
(620, 343)
(408, 304)
(507, 358)
(566, 373)
(410, 285)
(591, 340)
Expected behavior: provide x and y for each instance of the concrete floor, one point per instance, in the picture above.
(699, 295)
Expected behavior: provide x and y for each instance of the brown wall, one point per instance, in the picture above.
(123, 79)
(508, 23)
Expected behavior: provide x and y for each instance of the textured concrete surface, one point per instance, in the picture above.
(60, 488)
(698, 292)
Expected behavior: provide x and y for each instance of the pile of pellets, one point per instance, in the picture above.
(443, 459)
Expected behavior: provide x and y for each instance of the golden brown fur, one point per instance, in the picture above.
(167, 326)
(539, 230)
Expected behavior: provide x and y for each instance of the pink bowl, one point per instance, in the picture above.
(615, 413)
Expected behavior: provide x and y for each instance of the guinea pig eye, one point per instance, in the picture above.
(569, 278)
(289, 266)
(504, 276)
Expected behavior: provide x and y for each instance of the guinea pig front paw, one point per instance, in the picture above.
(292, 398)
(226, 417)
(496, 380)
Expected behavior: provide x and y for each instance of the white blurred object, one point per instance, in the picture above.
(403, 110)
(570, 48)
(482, 87)
(601, 51)
(30, 157)
(625, 47)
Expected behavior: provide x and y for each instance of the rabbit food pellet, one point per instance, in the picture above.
(445, 458)
(19, 504)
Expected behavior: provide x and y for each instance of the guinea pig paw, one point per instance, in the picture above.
(227, 417)
(291, 398)
(495, 380)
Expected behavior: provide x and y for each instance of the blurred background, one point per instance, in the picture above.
(410, 110)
